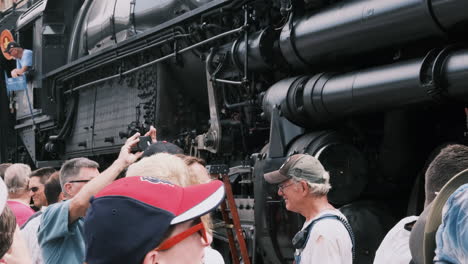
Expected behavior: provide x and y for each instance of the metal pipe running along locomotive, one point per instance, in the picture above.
(368, 87)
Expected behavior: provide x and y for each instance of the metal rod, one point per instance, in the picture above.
(227, 33)
(160, 41)
(246, 39)
(227, 81)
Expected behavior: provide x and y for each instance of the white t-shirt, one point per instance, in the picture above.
(212, 256)
(29, 232)
(394, 248)
(329, 242)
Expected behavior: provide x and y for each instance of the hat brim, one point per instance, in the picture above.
(434, 217)
(198, 200)
(275, 177)
(417, 236)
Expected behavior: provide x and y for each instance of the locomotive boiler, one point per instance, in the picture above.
(371, 88)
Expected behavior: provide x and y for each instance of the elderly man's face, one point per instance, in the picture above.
(36, 189)
(288, 190)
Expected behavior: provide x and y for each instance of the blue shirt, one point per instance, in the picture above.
(452, 235)
(26, 59)
(61, 242)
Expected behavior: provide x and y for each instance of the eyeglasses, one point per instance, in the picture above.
(282, 187)
(79, 181)
(172, 241)
(34, 189)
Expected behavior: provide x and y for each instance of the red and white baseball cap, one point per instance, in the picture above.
(131, 216)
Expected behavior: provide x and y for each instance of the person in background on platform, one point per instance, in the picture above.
(24, 58)
(17, 180)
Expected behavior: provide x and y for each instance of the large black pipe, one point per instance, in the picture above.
(313, 100)
(353, 27)
(260, 50)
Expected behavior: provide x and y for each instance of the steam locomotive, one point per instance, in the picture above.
(368, 87)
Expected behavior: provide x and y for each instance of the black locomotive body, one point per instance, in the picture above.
(369, 87)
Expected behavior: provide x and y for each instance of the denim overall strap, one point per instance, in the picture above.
(297, 258)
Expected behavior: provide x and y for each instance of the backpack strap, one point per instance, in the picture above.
(336, 217)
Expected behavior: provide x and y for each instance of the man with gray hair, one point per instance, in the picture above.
(326, 237)
(17, 180)
(12, 247)
(60, 232)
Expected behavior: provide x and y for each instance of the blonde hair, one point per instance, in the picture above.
(190, 161)
(162, 166)
(17, 179)
(170, 168)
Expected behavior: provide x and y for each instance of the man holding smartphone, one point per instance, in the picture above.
(60, 232)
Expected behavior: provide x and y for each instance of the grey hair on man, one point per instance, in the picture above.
(71, 169)
(318, 189)
(17, 179)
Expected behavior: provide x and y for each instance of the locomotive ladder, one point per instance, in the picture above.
(228, 207)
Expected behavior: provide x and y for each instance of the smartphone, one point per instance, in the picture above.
(144, 143)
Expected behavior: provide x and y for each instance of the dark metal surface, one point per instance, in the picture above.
(450, 14)
(364, 85)
(327, 97)
(260, 51)
(353, 27)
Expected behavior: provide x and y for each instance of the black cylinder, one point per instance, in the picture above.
(450, 14)
(324, 97)
(455, 74)
(260, 51)
(354, 27)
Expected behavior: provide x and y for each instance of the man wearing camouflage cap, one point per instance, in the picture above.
(326, 236)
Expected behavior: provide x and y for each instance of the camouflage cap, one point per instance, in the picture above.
(302, 166)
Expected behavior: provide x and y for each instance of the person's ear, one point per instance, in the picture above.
(67, 188)
(151, 257)
(305, 187)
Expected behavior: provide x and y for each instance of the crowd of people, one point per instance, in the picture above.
(159, 211)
